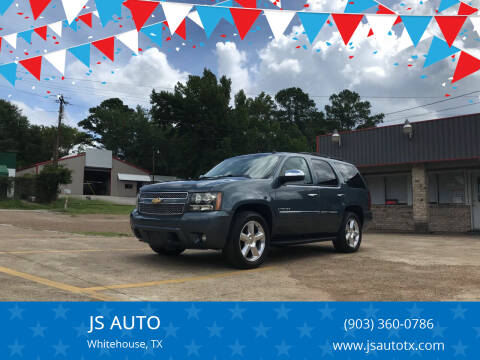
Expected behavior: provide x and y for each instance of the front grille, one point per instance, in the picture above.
(161, 209)
(164, 195)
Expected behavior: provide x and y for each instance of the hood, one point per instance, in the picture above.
(193, 185)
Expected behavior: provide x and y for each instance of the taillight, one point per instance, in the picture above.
(369, 201)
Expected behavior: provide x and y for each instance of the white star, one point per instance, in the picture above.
(193, 348)
(105, 311)
(237, 349)
(305, 330)
(82, 330)
(171, 330)
(215, 330)
(438, 330)
(370, 312)
(326, 312)
(16, 349)
(326, 348)
(237, 312)
(459, 312)
(16, 312)
(149, 311)
(261, 330)
(459, 349)
(192, 312)
(38, 330)
(60, 312)
(283, 349)
(415, 311)
(60, 348)
(282, 312)
(477, 329)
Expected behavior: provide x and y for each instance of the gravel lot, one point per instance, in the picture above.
(48, 256)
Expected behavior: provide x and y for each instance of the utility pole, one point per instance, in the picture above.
(62, 103)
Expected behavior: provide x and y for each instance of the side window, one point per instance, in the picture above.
(324, 173)
(352, 176)
(298, 163)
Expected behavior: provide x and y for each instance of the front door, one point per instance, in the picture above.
(476, 200)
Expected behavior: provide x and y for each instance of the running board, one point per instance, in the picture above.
(301, 241)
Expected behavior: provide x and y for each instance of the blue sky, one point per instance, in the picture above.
(378, 70)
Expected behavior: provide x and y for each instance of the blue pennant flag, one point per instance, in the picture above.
(73, 25)
(357, 6)
(4, 5)
(107, 8)
(154, 32)
(416, 26)
(439, 50)
(445, 4)
(26, 35)
(9, 72)
(82, 53)
(211, 16)
(312, 23)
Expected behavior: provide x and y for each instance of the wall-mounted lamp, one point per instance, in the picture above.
(408, 129)
(336, 139)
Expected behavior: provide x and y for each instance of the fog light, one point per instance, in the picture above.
(204, 237)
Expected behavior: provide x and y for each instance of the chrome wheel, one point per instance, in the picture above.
(352, 233)
(252, 240)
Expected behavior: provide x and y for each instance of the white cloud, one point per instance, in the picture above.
(38, 115)
(233, 63)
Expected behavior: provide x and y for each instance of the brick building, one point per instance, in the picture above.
(423, 176)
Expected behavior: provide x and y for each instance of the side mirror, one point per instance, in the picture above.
(292, 176)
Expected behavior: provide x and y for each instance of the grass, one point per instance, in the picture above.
(75, 206)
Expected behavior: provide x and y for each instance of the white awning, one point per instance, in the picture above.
(134, 177)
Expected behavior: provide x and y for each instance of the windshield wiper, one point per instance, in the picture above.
(222, 176)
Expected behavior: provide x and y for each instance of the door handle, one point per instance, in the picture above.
(340, 195)
(312, 195)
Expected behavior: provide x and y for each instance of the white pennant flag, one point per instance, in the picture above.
(57, 59)
(278, 21)
(11, 39)
(476, 23)
(72, 8)
(196, 18)
(175, 13)
(57, 27)
(130, 39)
(381, 25)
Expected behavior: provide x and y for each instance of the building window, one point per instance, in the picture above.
(128, 186)
(389, 190)
(446, 188)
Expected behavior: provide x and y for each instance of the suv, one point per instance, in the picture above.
(246, 204)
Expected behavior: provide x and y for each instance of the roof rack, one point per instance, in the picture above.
(320, 155)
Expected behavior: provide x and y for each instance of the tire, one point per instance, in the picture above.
(242, 250)
(349, 237)
(167, 252)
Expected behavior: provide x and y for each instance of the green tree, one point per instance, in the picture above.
(346, 112)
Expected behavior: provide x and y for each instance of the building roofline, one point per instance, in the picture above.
(416, 162)
(401, 124)
(132, 165)
(50, 161)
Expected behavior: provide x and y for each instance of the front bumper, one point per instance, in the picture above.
(192, 230)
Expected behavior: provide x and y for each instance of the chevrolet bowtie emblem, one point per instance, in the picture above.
(156, 201)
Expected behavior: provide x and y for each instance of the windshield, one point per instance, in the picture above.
(251, 166)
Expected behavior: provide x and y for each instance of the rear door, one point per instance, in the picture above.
(329, 196)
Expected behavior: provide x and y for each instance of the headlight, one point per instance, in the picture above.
(205, 201)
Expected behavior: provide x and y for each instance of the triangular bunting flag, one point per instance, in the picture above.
(141, 11)
(9, 72)
(175, 13)
(42, 32)
(398, 21)
(4, 5)
(86, 19)
(347, 24)
(416, 26)
(33, 66)
(106, 9)
(72, 8)
(182, 30)
(445, 4)
(38, 6)
(57, 27)
(465, 9)
(358, 6)
(154, 32)
(11, 39)
(277, 3)
(57, 59)
(450, 26)
(82, 53)
(467, 65)
(244, 19)
(279, 20)
(439, 50)
(107, 47)
(195, 18)
(381, 25)
(26, 35)
(211, 16)
(130, 39)
(247, 3)
(382, 9)
(312, 23)
(476, 23)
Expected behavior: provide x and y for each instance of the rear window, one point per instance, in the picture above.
(351, 175)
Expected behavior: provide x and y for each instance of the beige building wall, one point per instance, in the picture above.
(118, 187)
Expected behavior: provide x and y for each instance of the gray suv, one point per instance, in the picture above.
(246, 204)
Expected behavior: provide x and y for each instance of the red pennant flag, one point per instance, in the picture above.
(33, 66)
(42, 32)
(244, 19)
(384, 10)
(141, 11)
(87, 19)
(0, 44)
(106, 46)
(450, 26)
(465, 9)
(347, 24)
(38, 6)
(247, 3)
(398, 21)
(467, 64)
(370, 33)
(182, 30)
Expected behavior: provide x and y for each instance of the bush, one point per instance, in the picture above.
(24, 187)
(5, 185)
(49, 180)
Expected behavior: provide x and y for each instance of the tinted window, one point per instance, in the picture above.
(324, 173)
(351, 175)
(298, 163)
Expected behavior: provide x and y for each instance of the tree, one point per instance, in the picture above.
(347, 112)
